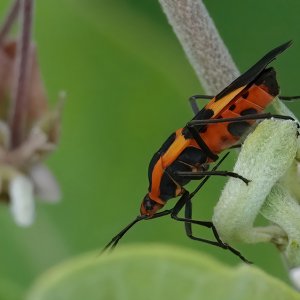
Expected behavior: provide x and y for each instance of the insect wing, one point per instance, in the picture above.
(220, 101)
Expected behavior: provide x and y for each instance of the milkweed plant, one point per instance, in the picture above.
(269, 156)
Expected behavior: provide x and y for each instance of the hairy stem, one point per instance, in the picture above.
(201, 42)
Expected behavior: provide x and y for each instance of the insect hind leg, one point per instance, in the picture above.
(219, 243)
(289, 98)
(195, 107)
(186, 200)
(195, 123)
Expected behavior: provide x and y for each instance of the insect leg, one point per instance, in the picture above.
(181, 202)
(199, 175)
(192, 127)
(189, 221)
(201, 142)
(194, 104)
(196, 109)
(235, 146)
(238, 119)
(185, 200)
(288, 98)
(178, 207)
(219, 243)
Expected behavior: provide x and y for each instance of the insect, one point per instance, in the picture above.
(188, 152)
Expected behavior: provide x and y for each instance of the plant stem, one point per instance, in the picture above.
(201, 42)
(10, 18)
(23, 63)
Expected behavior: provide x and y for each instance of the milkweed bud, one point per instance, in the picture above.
(265, 157)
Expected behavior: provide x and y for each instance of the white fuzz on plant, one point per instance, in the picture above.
(265, 157)
(284, 211)
(201, 42)
(22, 200)
(295, 277)
(45, 184)
(291, 179)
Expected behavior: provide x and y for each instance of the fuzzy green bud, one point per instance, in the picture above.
(265, 157)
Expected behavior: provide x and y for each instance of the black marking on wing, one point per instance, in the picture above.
(254, 71)
(249, 111)
(203, 114)
(237, 129)
(268, 79)
(232, 107)
(245, 95)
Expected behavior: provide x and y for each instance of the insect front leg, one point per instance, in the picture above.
(199, 175)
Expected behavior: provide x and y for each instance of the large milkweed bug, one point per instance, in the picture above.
(187, 152)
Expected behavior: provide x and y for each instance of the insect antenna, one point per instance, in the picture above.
(115, 240)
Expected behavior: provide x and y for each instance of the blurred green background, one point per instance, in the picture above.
(128, 81)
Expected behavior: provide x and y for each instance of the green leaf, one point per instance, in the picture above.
(156, 272)
(10, 290)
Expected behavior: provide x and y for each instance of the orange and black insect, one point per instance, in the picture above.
(188, 152)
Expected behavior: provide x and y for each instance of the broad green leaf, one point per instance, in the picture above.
(156, 272)
(10, 290)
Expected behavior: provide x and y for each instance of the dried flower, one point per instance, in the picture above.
(29, 130)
